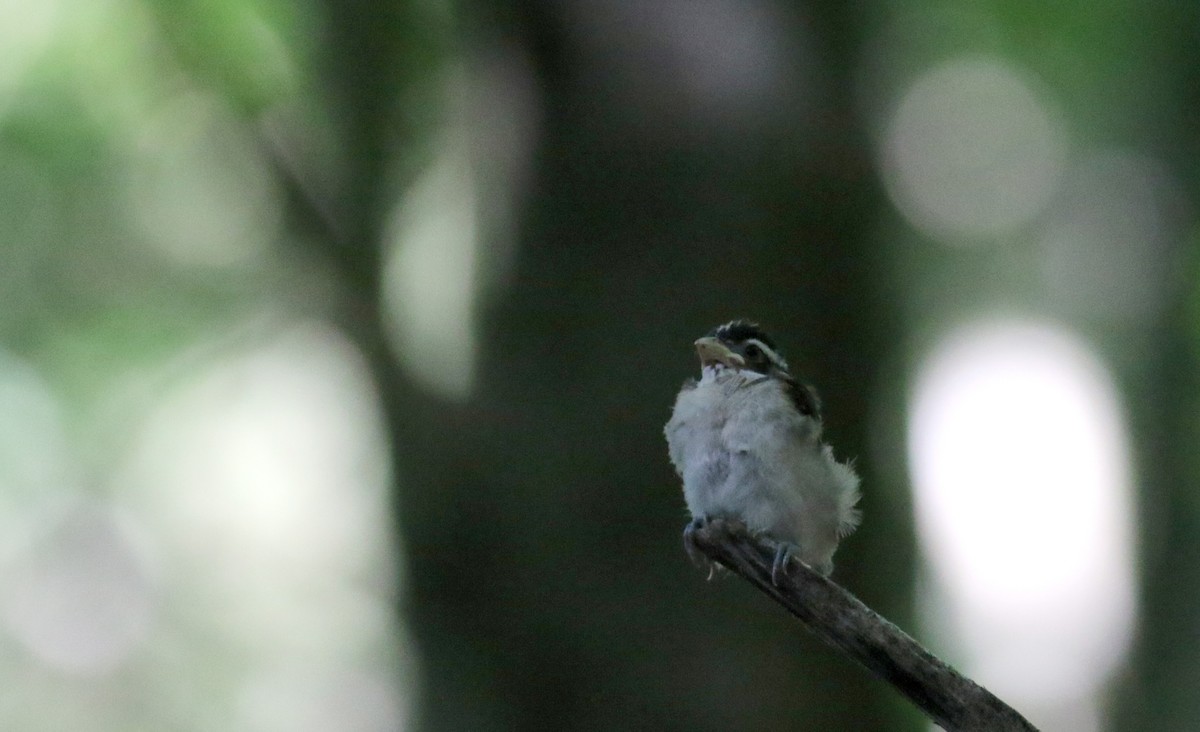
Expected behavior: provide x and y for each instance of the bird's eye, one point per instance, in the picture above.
(753, 351)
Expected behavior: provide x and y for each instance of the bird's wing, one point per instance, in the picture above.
(803, 396)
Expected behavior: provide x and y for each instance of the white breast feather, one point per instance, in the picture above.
(744, 452)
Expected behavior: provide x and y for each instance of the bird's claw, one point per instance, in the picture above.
(689, 543)
(689, 540)
(779, 567)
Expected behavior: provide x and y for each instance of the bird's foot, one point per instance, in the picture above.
(779, 567)
(689, 540)
(689, 543)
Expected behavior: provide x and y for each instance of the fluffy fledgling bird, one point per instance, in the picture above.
(746, 440)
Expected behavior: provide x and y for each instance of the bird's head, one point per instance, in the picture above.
(742, 346)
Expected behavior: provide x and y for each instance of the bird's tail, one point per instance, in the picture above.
(848, 511)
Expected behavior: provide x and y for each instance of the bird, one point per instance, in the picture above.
(746, 440)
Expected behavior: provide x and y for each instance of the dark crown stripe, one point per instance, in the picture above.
(738, 331)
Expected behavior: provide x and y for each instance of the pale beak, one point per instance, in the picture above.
(712, 351)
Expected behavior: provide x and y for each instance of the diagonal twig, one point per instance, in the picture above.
(950, 699)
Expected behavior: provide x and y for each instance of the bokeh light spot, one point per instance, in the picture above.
(972, 151)
(81, 599)
(1022, 492)
(431, 275)
(1107, 243)
(264, 479)
(26, 30)
(34, 460)
(192, 160)
(321, 699)
(697, 66)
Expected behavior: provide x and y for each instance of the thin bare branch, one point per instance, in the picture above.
(950, 699)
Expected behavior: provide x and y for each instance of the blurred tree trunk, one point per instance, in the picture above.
(1160, 692)
(541, 520)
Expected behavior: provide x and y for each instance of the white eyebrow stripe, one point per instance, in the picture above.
(775, 357)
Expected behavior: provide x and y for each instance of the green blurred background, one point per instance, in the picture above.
(337, 337)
